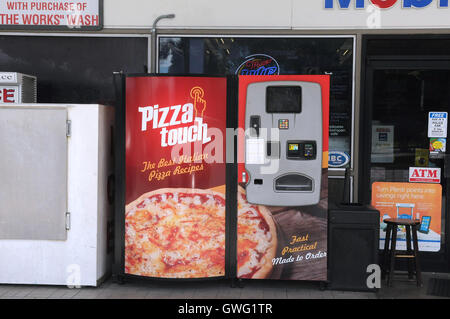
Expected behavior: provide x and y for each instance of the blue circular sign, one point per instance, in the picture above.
(338, 159)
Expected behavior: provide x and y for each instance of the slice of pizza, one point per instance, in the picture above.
(176, 233)
(257, 239)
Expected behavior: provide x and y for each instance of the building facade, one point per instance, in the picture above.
(389, 62)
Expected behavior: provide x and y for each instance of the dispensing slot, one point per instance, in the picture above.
(294, 183)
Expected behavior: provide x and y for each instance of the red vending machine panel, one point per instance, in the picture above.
(175, 176)
(283, 177)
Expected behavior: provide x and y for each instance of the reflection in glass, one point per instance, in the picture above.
(223, 56)
(402, 99)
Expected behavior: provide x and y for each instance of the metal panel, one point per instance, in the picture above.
(301, 129)
(333, 173)
(33, 173)
(68, 84)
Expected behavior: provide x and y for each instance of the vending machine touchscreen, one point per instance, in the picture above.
(283, 144)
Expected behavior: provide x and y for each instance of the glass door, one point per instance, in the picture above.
(400, 95)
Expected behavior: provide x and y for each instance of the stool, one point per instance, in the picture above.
(391, 254)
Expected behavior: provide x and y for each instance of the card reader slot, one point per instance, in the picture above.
(294, 183)
(273, 150)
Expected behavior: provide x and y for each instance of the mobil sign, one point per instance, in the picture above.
(384, 4)
(424, 175)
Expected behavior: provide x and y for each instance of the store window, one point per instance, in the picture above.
(225, 55)
(404, 150)
(73, 69)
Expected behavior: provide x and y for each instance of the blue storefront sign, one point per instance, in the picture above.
(338, 159)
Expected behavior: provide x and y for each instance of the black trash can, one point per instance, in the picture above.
(353, 241)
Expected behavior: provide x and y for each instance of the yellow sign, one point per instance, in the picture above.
(293, 147)
(422, 157)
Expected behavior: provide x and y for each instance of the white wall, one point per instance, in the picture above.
(199, 13)
(268, 14)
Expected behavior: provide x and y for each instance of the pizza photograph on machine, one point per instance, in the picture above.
(175, 219)
(176, 233)
(180, 233)
(257, 239)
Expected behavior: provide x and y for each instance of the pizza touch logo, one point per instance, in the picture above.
(164, 118)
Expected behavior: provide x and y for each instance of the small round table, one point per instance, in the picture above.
(391, 254)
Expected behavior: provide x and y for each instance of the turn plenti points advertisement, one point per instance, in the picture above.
(421, 201)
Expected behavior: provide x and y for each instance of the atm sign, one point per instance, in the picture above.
(424, 175)
(9, 94)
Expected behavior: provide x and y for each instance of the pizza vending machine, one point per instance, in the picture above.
(188, 206)
(282, 176)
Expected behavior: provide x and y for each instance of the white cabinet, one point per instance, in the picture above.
(55, 214)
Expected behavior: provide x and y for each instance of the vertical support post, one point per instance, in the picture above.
(392, 255)
(155, 39)
(416, 256)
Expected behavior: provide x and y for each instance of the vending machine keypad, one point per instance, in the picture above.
(283, 124)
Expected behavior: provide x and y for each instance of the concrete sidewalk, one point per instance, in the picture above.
(214, 290)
